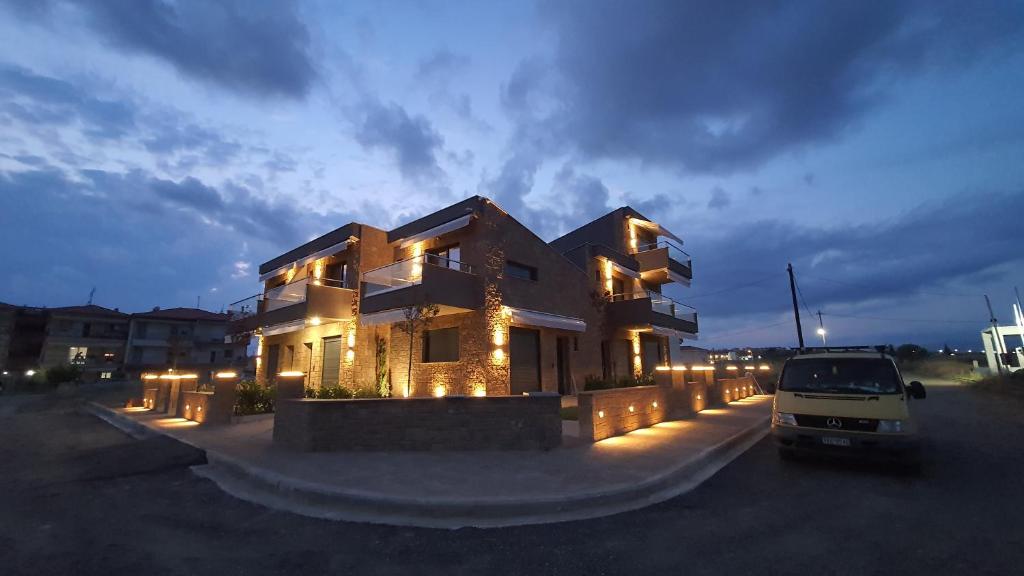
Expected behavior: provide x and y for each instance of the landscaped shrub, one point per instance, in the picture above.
(63, 373)
(329, 393)
(253, 398)
(365, 392)
(592, 382)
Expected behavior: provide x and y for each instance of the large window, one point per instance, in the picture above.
(77, 354)
(445, 256)
(517, 270)
(334, 274)
(441, 345)
(841, 376)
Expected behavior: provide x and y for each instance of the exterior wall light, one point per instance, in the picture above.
(731, 368)
(315, 321)
(600, 413)
(289, 276)
(748, 367)
(662, 368)
(764, 367)
(187, 407)
(654, 404)
(199, 408)
(439, 391)
(291, 374)
(350, 355)
(608, 286)
(699, 397)
(149, 376)
(679, 368)
(632, 408)
(352, 338)
(226, 375)
(499, 356)
(480, 392)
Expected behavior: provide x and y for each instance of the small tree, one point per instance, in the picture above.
(417, 317)
(381, 372)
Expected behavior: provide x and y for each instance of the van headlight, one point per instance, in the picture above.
(890, 426)
(785, 418)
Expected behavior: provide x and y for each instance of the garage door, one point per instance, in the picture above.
(524, 361)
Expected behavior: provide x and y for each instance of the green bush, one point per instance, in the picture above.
(592, 382)
(253, 398)
(365, 393)
(329, 393)
(63, 373)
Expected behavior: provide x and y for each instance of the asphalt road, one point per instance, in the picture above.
(78, 497)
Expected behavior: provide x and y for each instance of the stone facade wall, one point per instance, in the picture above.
(149, 398)
(451, 423)
(607, 413)
(732, 389)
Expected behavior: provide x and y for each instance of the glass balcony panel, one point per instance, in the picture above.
(286, 295)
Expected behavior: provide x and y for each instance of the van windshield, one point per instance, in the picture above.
(841, 376)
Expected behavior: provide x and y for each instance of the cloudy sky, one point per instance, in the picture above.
(159, 151)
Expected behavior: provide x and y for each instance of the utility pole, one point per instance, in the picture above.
(821, 330)
(995, 336)
(1019, 316)
(91, 294)
(796, 308)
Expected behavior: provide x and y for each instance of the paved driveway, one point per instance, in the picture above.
(77, 497)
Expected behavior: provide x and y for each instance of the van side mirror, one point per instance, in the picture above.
(916, 390)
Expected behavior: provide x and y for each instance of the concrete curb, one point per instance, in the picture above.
(280, 492)
(123, 423)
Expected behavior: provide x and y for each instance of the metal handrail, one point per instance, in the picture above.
(665, 244)
(432, 259)
(660, 301)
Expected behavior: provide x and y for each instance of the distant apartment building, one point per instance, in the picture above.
(514, 314)
(90, 337)
(181, 339)
(7, 315)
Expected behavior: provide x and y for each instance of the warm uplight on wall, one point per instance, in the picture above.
(350, 355)
(699, 397)
(499, 356)
(499, 336)
(479, 392)
(608, 285)
(314, 321)
(632, 236)
(654, 404)
(352, 337)
(259, 351)
(417, 263)
(439, 391)
(632, 408)
(290, 275)
(600, 413)
(318, 271)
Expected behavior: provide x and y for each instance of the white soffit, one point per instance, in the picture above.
(656, 228)
(305, 260)
(385, 317)
(623, 270)
(285, 327)
(460, 222)
(534, 318)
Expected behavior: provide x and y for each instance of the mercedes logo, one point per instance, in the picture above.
(834, 422)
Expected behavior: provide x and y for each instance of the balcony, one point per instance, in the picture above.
(664, 262)
(643, 310)
(454, 286)
(324, 299)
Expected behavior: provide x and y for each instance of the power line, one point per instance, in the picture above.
(745, 331)
(737, 287)
(938, 320)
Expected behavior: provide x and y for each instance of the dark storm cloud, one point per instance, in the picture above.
(959, 240)
(148, 239)
(257, 48)
(412, 140)
(36, 99)
(720, 199)
(722, 86)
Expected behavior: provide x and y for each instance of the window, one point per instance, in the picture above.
(86, 329)
(213, 356)
(334, 274)
(77, 354)
(516, 270)
(105, 375)
(141, 330)
(446, 256)
(109, 356)
(229, 353)
(441, 345)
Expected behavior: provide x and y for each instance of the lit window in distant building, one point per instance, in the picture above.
(76, 354)
(105, 375)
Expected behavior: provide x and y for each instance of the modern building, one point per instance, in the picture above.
(182, 339)
(1006, 352)
(507, 313)
(91, 337)
(27, 334)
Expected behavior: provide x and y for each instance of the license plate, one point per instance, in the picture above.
(835, 441)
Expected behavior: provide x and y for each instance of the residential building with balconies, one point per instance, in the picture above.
(510, 313)
(182, 339)
(630, 259)
(90, 337)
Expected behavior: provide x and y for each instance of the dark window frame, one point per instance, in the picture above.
(521, 271)
(426, 357)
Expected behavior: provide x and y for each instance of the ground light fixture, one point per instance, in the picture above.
(226, 375)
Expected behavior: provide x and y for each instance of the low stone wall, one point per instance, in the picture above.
(450, 423)
(607, 413)
(196, 405)
(149, 398)
(732, 389)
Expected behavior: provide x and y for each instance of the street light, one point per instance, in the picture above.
(821, 332)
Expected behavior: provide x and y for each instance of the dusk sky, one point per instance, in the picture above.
(160, 151)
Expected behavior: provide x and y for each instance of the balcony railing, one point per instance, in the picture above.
(674, 252)
(245, 308)
(661, 304)
(295, 292)
(409, 272)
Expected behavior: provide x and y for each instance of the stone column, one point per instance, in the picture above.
(184, 383)
(291, 385)
(222, 406)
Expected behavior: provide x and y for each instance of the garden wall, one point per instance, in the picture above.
(450, 423)
(607, 413)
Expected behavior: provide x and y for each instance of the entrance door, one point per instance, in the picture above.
(524, 360)
(332, 362)
(273, 355)
(651, 346)
(562, 362)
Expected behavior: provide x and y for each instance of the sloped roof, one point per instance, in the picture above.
(88, 310)
(182, 314)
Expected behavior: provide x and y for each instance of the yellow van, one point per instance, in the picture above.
(847, 402)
